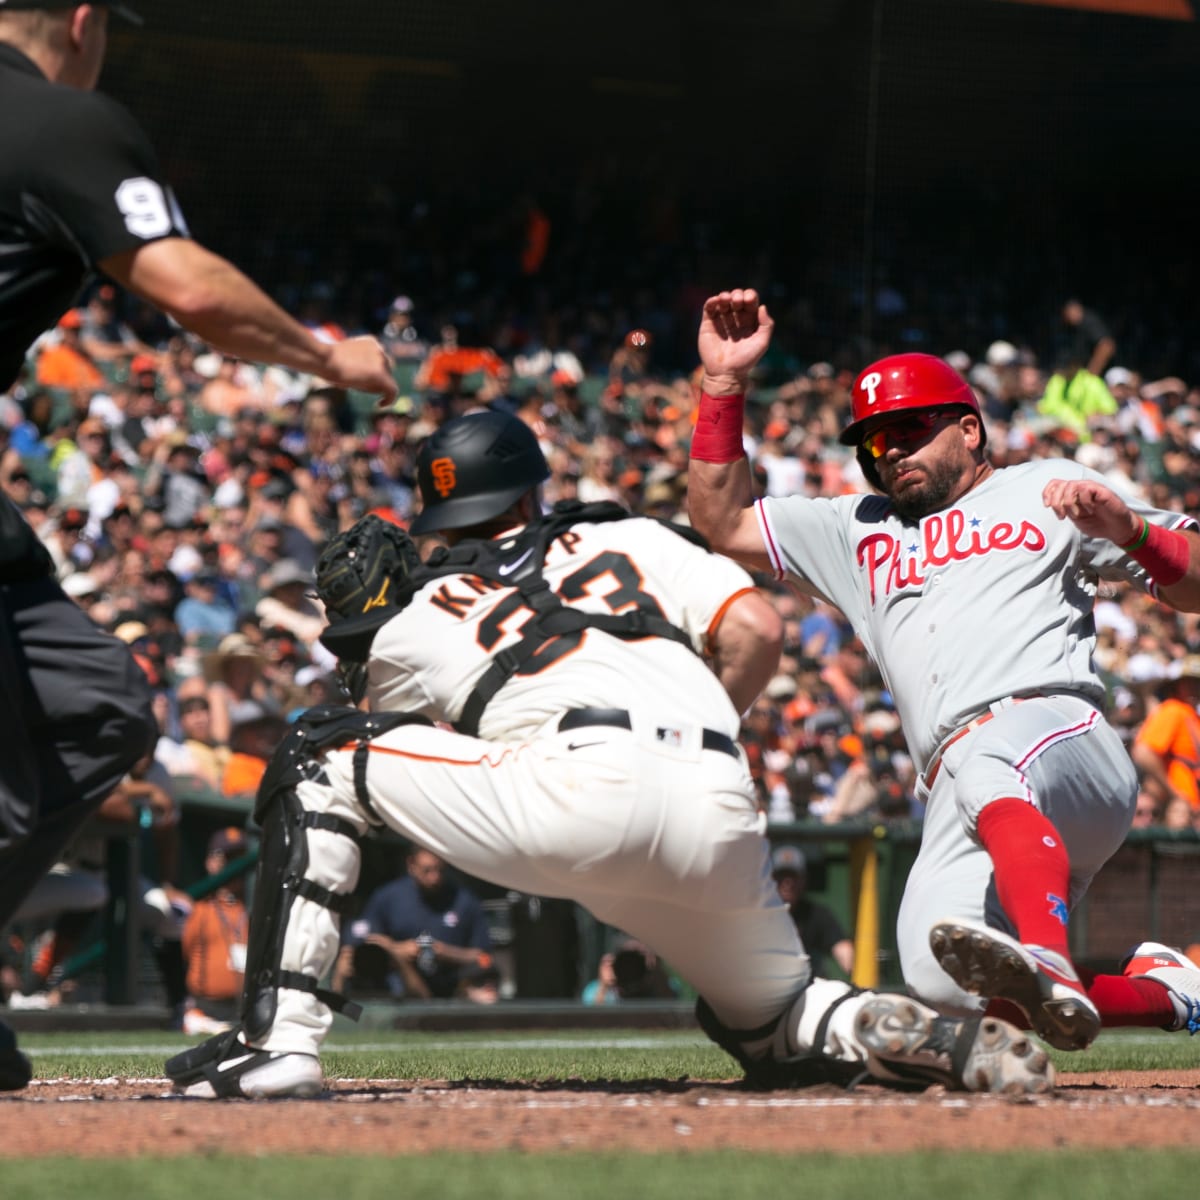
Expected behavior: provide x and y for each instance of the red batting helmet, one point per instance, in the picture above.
(902, 382)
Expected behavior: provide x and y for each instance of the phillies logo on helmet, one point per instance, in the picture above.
(870, 382)
(444, 474)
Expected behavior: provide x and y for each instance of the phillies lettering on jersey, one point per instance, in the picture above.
(945, 538)
(990, 598)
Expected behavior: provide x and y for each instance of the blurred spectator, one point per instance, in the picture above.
(204, 616)
(253, 737)
(75, 888)
(214, 941)
(820, 930)
(80, 470)
(288, 605)
(630, 971)
(234, 671)
(64, 363)
(1085, 339)
(105, 337)
(1148, 811)
(1167, 747)
(420, 935)
(399, 335)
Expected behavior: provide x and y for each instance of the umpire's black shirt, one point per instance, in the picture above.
(78, 183)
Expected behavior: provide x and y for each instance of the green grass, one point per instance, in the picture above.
(694, 1176)
(621, 1056)
(558, 1055)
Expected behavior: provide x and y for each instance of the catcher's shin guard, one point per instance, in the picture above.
(768, 1057)
(302, 889)
(308, 866)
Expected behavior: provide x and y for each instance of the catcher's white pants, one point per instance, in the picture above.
(662, 841)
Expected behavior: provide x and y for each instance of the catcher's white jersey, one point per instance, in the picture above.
(428, 658)
(987, 599)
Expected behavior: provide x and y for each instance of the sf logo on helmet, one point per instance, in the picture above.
(870, 383)
(445, 475)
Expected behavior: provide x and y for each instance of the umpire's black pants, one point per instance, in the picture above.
(75, 715)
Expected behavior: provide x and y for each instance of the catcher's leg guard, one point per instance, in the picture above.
(833, 1033)
(308, 866)
(769, 1055)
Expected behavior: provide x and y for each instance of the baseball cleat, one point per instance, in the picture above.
(906, 1042)
(1176, 972)
(15, 1069)
(1041, 982)
(224, 1068)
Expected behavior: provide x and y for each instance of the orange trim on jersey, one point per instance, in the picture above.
(438, 758)
(710, 633)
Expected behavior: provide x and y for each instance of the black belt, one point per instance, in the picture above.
(619, 718)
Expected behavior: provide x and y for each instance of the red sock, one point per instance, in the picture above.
(1124, 1001)
(1032, 871)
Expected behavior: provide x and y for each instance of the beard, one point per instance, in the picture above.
(932, 490)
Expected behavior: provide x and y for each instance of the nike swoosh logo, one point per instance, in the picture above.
(230, 1063)
(582, 745)
(509, 568)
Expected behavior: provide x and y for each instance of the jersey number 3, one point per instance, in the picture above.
(626, 595)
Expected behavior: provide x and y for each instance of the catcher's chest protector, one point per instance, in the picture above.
(517, 562)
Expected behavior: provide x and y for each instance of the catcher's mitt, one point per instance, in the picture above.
(360, 568)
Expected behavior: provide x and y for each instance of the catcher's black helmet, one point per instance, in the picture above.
(473, 468)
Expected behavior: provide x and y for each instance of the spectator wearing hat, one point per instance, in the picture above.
(105, 337)
(286, 603)
(215, 937)
(85, 467)
(64, 537)
(204, 615)
(174, 475)
(819, 928)
(255, 732)
(234, 673)
(1167, 747)
(65, 363)
(399, 335)
(194, 754)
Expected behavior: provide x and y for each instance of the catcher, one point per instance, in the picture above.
(593, 665)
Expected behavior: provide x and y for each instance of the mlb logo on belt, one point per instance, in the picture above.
(669, 737)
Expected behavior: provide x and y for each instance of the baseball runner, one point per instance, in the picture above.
(972, 588)
(594, 760)
(80, 192)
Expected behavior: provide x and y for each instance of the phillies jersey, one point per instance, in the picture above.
(991, 597)
(429, 657)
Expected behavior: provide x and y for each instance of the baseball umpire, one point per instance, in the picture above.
(972, 587)
(80, 192)
(593, 664)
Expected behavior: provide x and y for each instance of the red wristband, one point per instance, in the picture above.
(718, 434)
(1165, 555)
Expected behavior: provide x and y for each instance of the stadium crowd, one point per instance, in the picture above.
(185, 497)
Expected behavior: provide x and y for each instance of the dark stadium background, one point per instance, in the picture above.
(985, 158)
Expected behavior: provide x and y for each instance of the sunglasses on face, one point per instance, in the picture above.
(913, 428)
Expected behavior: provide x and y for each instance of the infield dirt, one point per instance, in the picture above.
(132, 1118)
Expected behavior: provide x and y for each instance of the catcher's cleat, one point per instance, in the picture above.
(225, 1068)
(907, 1043)
(15, 1069)
(1042, 983)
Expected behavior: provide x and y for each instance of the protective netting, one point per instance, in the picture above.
(979, 159)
